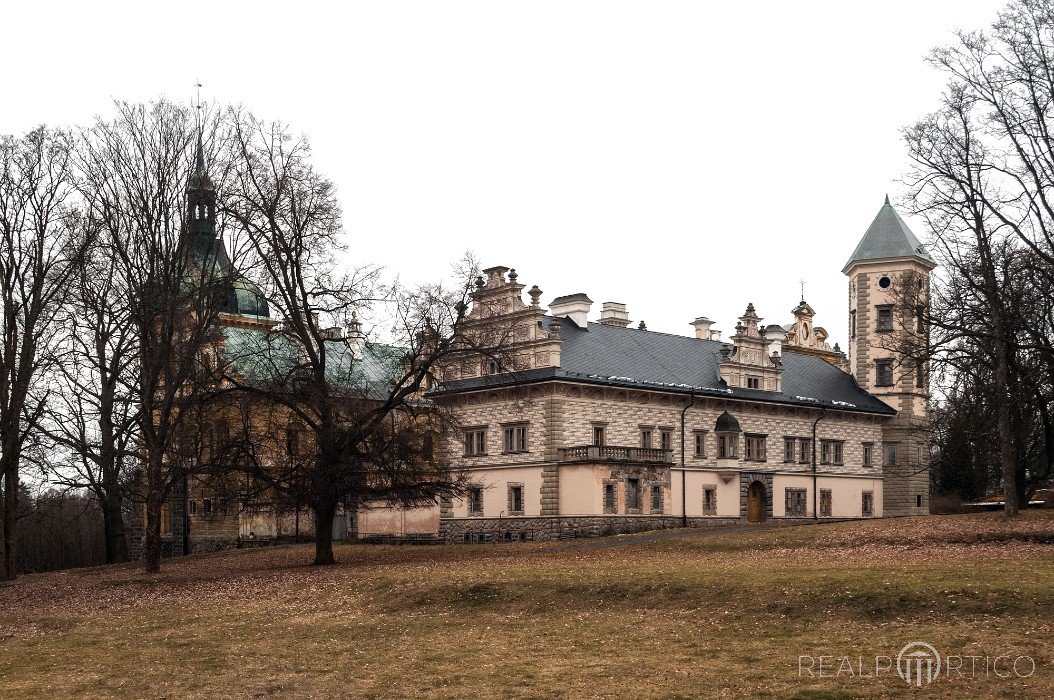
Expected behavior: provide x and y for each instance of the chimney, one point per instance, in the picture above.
(613, 313)
(334, 333)
(573, 306)
(356, 338)
(776, 336)
(702, 328)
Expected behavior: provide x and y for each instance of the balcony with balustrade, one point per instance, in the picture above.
(613, 453)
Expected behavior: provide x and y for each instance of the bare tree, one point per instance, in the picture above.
(984, 178)
(93, 413)
(355, 409)
(154, 203)
(39, 251)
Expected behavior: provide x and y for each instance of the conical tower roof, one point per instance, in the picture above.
(889, 237)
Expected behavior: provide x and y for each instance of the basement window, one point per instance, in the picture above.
(796, 500)
(867, 504)
(609, 498)
(656, 498)
(709, 500)
(825, 503)
(475, 501)
(515, 499)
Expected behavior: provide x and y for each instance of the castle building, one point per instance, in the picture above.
(595, 427)
(585, 427)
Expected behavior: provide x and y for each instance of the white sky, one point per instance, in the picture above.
(683, 158)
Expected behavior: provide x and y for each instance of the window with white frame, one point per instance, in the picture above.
(700, 443)
(755, 448)
(475, 442)
(515, 438)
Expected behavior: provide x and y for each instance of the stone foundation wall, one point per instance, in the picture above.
(473, 530)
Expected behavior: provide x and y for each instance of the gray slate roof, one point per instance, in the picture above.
(258, 355)
(889, 237)
(628, 357)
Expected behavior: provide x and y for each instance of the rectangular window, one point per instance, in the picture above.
(805, 451)
(292, 442)
(920, 375)
(825, 503)
(599, 436)
(753, 382)
(632, 494)
(515, 499)
(920, 318)
(727, 447)
(885, 319)
(609, 498)
(790, 447)
(192, 507)
(475, 442)
(206, 505)
(921, 454)
(475, 501)
(755, 448)
(516, 438)
(656, 498)
(918, 500)
(645, 437)
(891, 455)
(884, 372)
(867, 504)
(709, 500)
(796, 502)
(869, 454)
(852, 324)
(830, 452)
(666, 439)
(700, 444)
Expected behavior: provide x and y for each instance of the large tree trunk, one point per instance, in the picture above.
(325, 512)
(113, 527)
(10, 521)
(152, 541)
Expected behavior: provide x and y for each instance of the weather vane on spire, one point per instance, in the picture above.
(197, 106)
(802, 290)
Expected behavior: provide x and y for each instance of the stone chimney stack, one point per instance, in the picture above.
(776, 336)
(573, 306)
(613, 313)
(702, 327)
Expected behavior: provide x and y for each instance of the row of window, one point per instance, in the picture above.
(884, 373)
(514, 440)
(795, 449)
(884, 319)
(796, 500)
(796, 503)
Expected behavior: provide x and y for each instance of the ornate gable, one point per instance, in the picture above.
(747, 363)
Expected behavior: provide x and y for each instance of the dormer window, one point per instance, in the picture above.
(753, 382)
(491, 367)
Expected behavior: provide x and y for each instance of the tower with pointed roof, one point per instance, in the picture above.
(889, 267)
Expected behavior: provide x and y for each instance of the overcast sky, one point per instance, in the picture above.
(683, 158)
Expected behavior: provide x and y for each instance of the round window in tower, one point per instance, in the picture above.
(884, 283)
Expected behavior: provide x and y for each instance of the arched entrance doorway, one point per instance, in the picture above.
(756, 502)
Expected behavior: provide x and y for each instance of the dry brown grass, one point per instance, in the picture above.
(717, 615)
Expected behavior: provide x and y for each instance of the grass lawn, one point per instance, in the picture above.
(714, 615)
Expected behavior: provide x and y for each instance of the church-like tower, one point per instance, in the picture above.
(888, 292)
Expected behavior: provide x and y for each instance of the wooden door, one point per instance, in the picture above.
(756, 502)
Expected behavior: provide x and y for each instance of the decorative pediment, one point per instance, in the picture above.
(748, 362)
